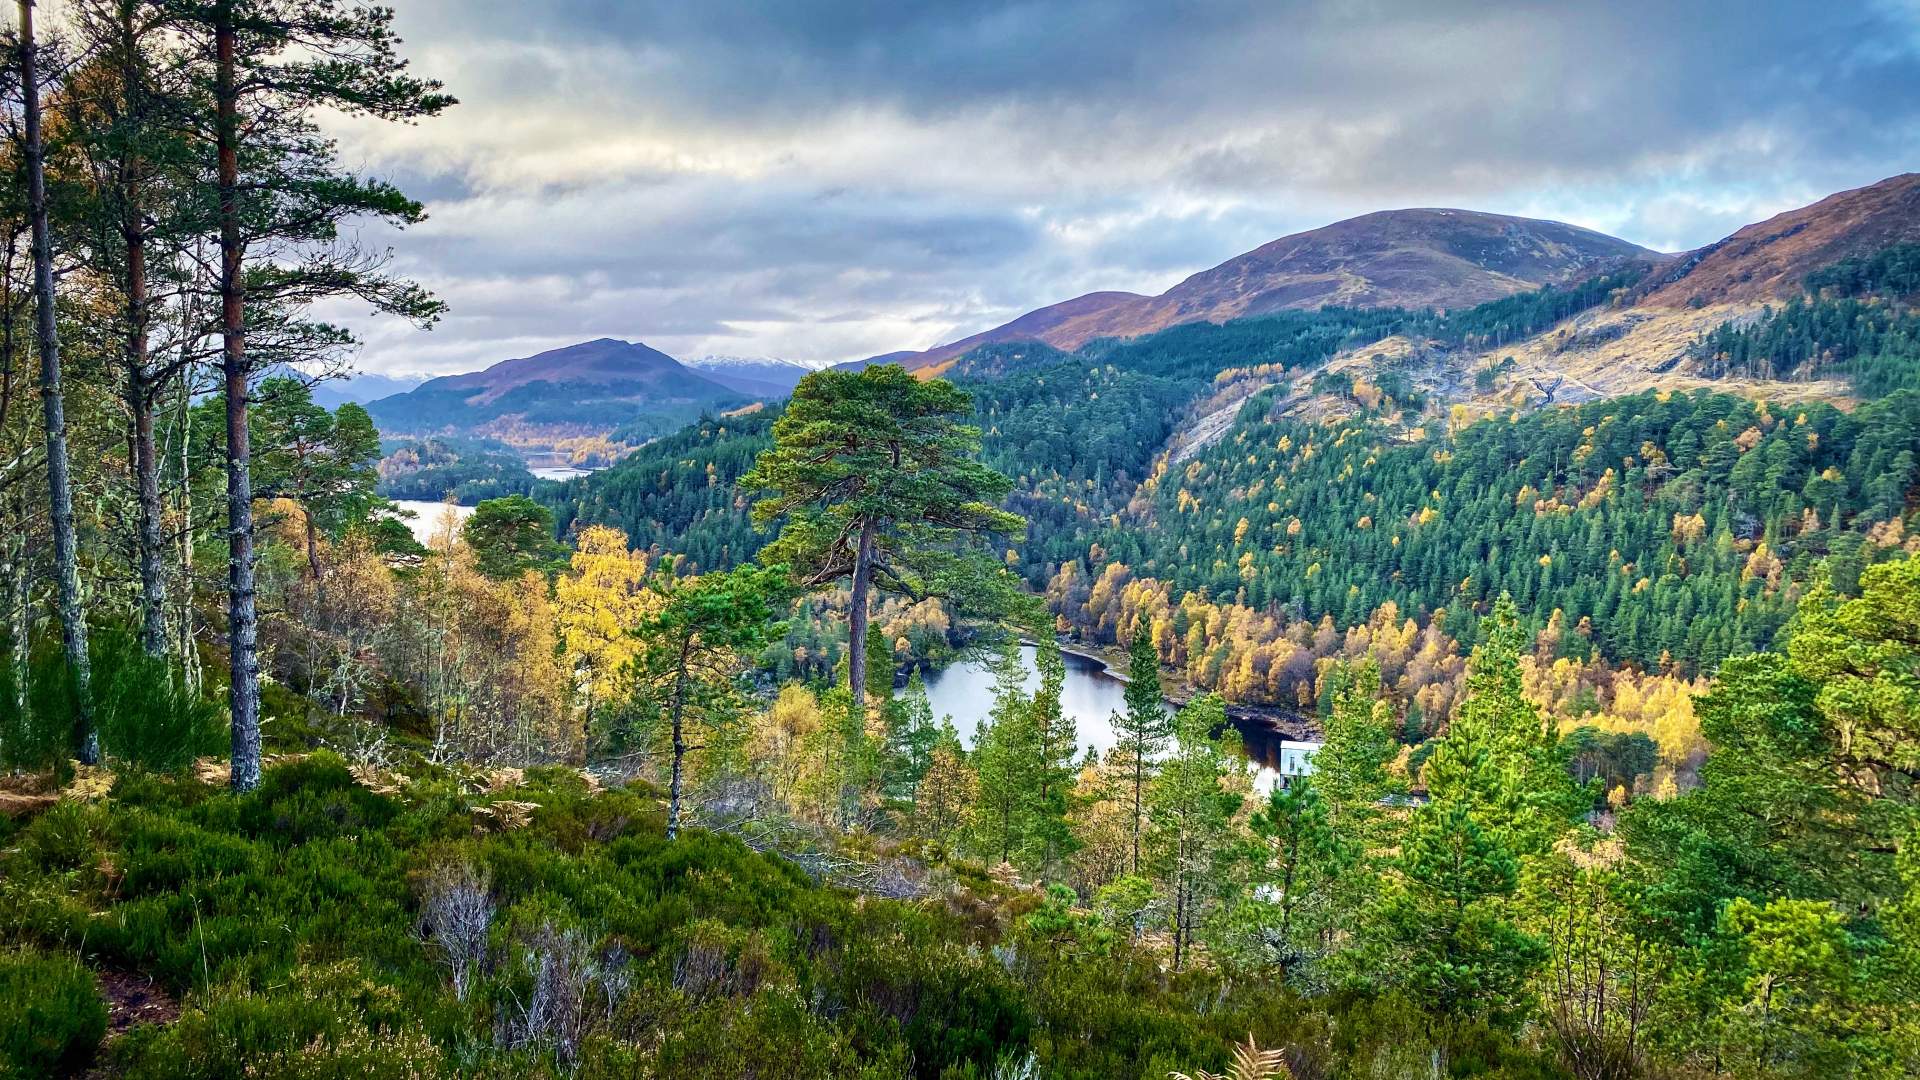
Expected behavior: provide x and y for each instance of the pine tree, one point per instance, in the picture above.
(1055, 749)
(137, 216)
(692, 650)
(1500, 758)
(1350, 768)
(877, 479)
(270, 68)
(947, 792)
(912, 738)
(1191, 808)
(1006, 761)
(1143, 730)
(66, 555)
(1302, 854)
(1451, 938)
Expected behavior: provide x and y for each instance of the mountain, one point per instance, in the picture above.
(1769, 260)
(756, 376)
(587, 389)
(363, 387)
(1033, 326)
(1419, 258)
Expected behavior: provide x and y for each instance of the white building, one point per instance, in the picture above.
(1295, 759)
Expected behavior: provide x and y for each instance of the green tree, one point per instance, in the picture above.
(130, 199)
(1498, 790)
(1055, 747)
(1780, 880)
(1500, 758)
(694, 647)
(511, 535)
(66, 555)
(1007, 764)
(322, 460)
(1193, 841)
(1142, 731)
(1792, 991)
(1350, 768)
(912, 737)
(1300, 856)
(1864, 653)
(877, 478)
(1450, 937)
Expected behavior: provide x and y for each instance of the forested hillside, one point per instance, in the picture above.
(464, 469)
(1855, 320)
(1671, 527)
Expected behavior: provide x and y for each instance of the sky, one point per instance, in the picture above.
(824, 181)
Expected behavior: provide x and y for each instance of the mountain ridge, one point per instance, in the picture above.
(759, 376)
(1768, 260)
(1417, 257)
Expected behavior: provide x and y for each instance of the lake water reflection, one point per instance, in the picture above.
(1090, 696)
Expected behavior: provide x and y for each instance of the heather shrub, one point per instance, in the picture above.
(53, 1017)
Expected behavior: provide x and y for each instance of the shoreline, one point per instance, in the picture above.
(1288, 723)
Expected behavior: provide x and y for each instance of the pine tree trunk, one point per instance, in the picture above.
(66, 556)
(857, 620)
(679, 748)
(141, 389)
(18, 620)
(1139, 782)
(19, 625)
(186, 639)
(153, 568)
(242, 620)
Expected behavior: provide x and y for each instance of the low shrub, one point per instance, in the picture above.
(53, 1017)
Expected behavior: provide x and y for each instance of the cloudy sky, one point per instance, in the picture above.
(825, 181)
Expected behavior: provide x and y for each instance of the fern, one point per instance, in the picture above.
(1249, 1063)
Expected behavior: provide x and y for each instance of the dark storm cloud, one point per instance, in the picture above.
(823, 180)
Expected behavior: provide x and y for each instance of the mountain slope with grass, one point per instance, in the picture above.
(1770, 260)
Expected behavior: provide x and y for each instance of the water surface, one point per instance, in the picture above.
(427, 516)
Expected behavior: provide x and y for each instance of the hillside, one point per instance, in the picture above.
(1420, 258)
(585, 389)
(1770, 260)
(1040, 325)
(1159, 451)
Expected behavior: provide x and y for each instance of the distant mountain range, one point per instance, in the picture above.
(1415, 259)
(758, 376)
(363, 387)
(594, 388)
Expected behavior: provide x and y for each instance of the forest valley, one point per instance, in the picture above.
(636, 775)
